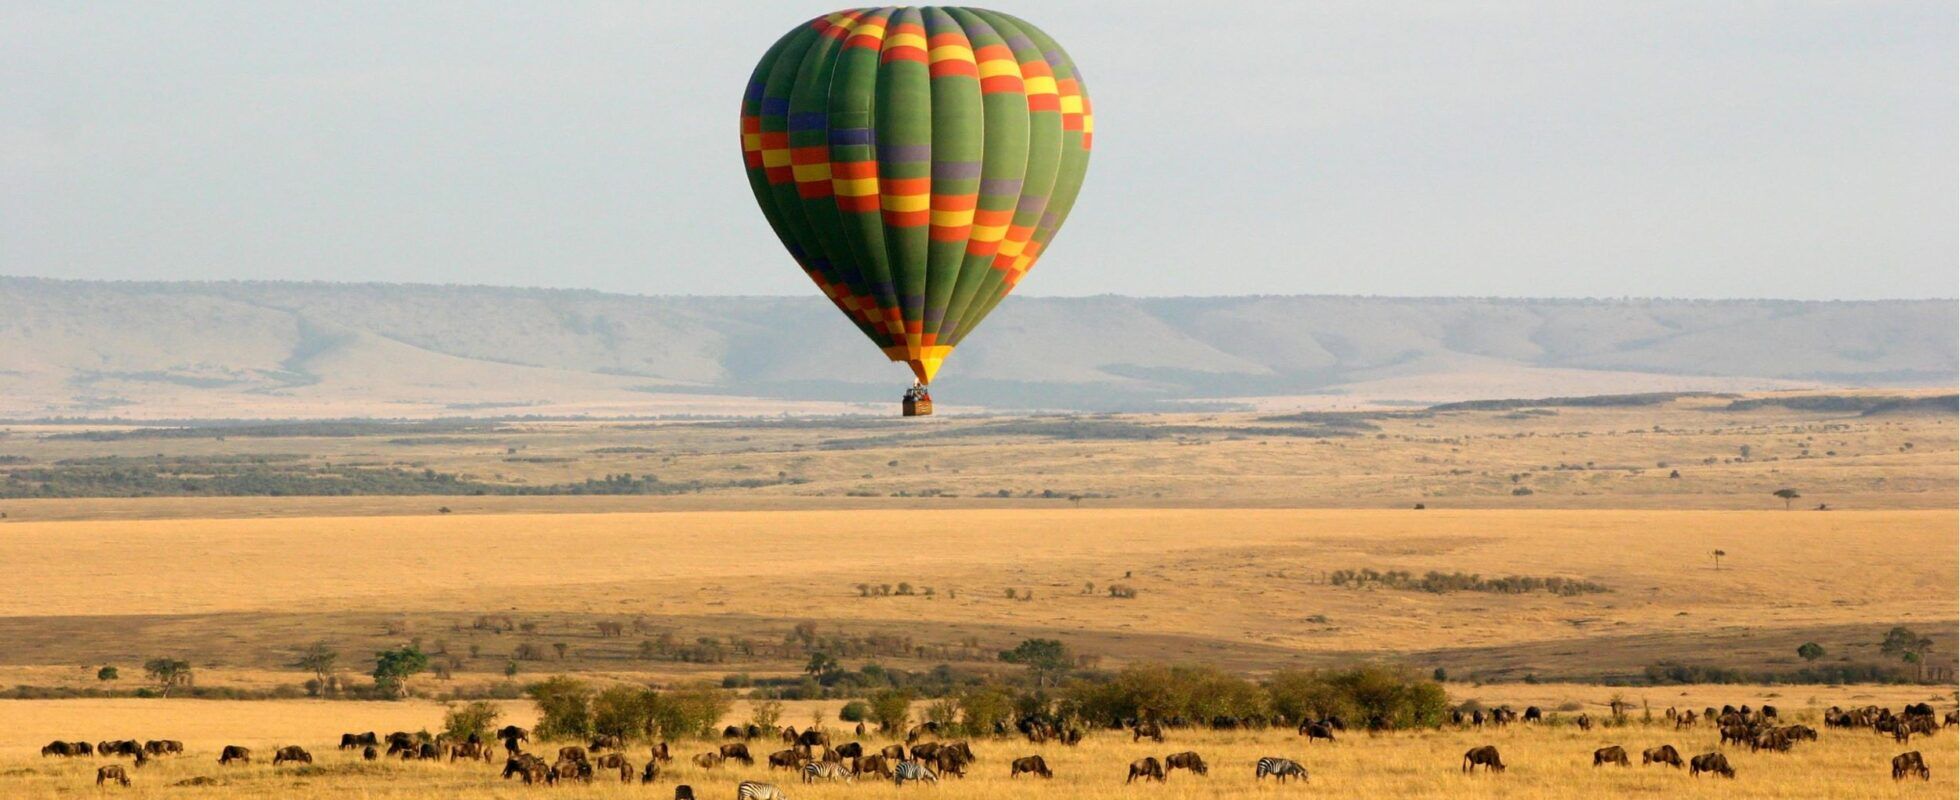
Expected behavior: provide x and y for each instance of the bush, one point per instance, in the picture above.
(623, 711)
(1157, 690)
(473, 718)
(107, 674)
(689, 711)
(564, 707)
(892, 709)
(855, 711)
(1362, 693)
(982, 708)
(765, 714)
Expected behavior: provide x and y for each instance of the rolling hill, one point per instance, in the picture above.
(253, 350)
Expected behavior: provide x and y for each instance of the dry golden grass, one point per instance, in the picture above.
(1240, 588)
(1544, 761)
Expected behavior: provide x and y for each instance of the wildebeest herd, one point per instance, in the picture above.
(923, 757)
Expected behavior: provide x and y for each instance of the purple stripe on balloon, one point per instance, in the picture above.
(886, 288)
(955, 170)
(1053, 57)
(754, 92)
(912, 300)
(1049, 220)
(934, 316)
(1000, 186)
(904, 153)
(844, 136)
(1019, 42)
(775, 106)
(808, 121)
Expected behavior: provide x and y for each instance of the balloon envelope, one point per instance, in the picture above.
(916, 162)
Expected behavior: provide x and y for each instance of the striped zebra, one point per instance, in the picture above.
(826, 770)
(1281, 768)
(754, 790)
(912, 771)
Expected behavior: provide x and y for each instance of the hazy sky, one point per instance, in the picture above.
(1704, 149)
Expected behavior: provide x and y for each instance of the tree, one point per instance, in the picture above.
(564, 707)
(1902, 643)
(392, 669)
(1718, 559)
(474, 718)
(168, 673)
(318, 658)
(1810, 651)
(510, 669)
(821, 665)
(1045, 658)
(1787, 495)
(855, 711)
(892, 708)
(561, 647)
(107, 674)
(765, 714)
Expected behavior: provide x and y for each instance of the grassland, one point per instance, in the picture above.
(1543, 761)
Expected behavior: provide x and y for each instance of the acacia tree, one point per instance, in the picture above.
(1810, 651)
(318, 659)
(392, 669)
(1787, 496)
(1718, 558)
(1902, 643)
(1045, 658)
(168, 673)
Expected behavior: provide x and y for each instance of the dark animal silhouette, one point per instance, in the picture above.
(114, 772)
(1485, 756)
(1614, 754)
(1715, 763)
(1186, 760)
(1147, 768)
(1664, 754)
(232, 752)
(1908, 764)
(1031, 765)
(291, 752)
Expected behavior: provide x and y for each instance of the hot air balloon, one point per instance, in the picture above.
(916, 162)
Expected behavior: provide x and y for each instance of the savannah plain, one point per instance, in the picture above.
(1228, 527)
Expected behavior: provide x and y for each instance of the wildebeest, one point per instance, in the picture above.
(356, 741)
(1710, 762)
(60, 748)
(1533, 714)
(614, 762)
(1031, 765)
(850, 750)
(1188, 759)
(291, 752)
(1584, 722)
(518, 764)
(232, 752)
(785, 759)
(813, 738)
(163, 747)
(368, 753)
(428, 752)
(1280, 768)
(659, 753)
(1910, 763)
(826, 771)
(1147, 730)
(754, 790)
(738, 752)
(512, 732)
(1485, 756)
(894, 752)
(1147, 768)
(604, 742)
(1613, 754)
(1664, 754)
(114, 772)
(683, 792)
(119, 747)
(875, 763)
(1317, 730)
(571, 752)
(708, 760)
(912, 771)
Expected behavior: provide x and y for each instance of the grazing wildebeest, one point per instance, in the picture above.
(113, 772)
(1585, 722)
(659, 753)
(683, 792)
(732, 732)
(1533, 714)
(651, 772)
(1477, 717)
(1188, 759)
(912, 771)
(753, 790)
(785, 759)
(708, 760)
(83, 748)
(232, 752)
(1072, 737)
(874, 763)
(1910, 763)
(926, 751)
(1686, 720)
(1280, 768)
(291, 752)
(1147, 768)
(119, 747)
(614, 762)
(428, 751)
(59, 748)
(1032, 765)
(1456, 717)
(1710, 762)
(164, 747)
(893, 752)
(1147, 730)
(1952, 719)
(1486, 756)
(1664, 754)
(850, 750)
(1317, 730)
(738, 751)
(356, 741)
(368, 753)
(1614, 754)
(813, 738)
(604, 742)
(827, 771)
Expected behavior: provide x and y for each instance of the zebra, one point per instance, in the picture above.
(912, 771)
(1281, 768)
(826, 770)
(755, 790)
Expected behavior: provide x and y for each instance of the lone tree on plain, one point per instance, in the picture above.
(1810, 651)
(318, 659)
(107, 674)
(168, 673)
(822, 665)
(1787, 495)
(392, 669)
(1718, 559)
(1046, 658)
(1902, 643)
